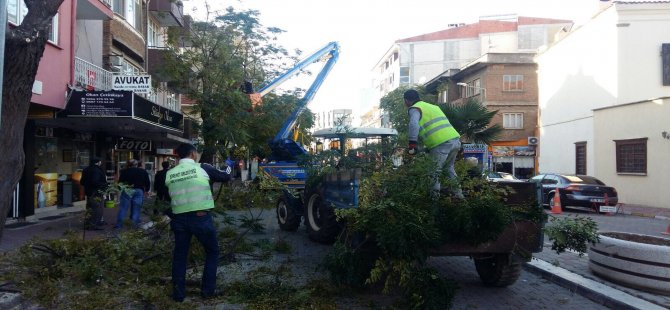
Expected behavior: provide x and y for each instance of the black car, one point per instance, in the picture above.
(576, 190)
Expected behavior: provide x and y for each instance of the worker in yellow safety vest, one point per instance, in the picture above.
(189, 188)
(428, 123)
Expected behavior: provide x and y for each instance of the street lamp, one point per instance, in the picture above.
(483, 90)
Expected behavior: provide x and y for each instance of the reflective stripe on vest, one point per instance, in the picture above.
(434, 127)
(189, 188)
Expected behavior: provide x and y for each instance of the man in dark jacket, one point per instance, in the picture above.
(162, 193)
(94, 181)
(138, 180)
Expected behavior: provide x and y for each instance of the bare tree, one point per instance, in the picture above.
(24, 46)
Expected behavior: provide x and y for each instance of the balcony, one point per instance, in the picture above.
(91, 77)
(94, 10)
(156, 63)
(169, 13)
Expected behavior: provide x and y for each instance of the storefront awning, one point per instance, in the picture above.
(120, 113)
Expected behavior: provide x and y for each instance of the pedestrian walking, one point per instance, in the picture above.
(94, 181)
(428, 123)
(188, 185)
(138, 180)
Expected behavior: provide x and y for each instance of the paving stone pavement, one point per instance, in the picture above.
(532, 291)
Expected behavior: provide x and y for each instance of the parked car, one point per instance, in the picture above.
(494, 176)
(576, 190)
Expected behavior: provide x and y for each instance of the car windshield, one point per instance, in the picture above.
(507, 176)
(583, 179)
(495, 175)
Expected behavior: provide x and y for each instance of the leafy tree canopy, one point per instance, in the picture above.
(220, 56)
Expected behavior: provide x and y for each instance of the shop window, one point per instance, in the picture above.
(631, 156)
(580, 158)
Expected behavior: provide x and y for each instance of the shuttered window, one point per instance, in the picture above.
(580, 158)
(631, 156)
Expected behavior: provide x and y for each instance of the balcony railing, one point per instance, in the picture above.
(90, 76)
(108, 3)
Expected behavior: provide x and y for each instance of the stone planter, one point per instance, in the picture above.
(639, 261)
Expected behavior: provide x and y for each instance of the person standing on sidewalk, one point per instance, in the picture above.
(94, 181)
(138, 180)
(162, 193)
(188, 184)
(428, 122)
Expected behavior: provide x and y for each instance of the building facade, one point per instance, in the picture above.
(93, 97)
(506, 83)
(618, 57)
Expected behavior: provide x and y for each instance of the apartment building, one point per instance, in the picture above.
(416, 60)
(506, 83)
(93, 96)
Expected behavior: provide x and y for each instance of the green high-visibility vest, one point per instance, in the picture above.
(434, 127)
(189, 188)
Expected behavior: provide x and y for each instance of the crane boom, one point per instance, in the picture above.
(284, 148)
(286, 151)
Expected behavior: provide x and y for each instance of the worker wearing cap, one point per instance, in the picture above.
(192, 201)
(428, 123)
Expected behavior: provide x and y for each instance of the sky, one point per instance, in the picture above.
(366, 29)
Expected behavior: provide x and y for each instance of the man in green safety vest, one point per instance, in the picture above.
(428, 123)
(188, 185)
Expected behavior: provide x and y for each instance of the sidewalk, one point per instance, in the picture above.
(54, 224)
(645, 211)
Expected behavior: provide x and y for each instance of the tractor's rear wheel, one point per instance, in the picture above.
(320, 219)
(287, 216)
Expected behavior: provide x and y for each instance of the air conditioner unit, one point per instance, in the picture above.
(116, 60)
(533, 140)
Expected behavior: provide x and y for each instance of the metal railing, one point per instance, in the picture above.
(88, 75)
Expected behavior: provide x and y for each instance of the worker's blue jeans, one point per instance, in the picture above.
(134, 201)
(184, 226)
(444, 156)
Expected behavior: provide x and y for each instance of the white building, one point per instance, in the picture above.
(614, 59)
(418, 59)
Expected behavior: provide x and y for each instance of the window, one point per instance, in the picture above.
(513, 120)
(17, 11)
(404, 75)
(512, 82)
(53, 30)
(472, 89)
(580, 158)
(130, 10)
(118, 6)
(631, 156)
(153, 34)
(442, 96)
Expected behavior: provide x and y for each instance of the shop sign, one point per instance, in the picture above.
(524, 151)
(165, 151)
(474, 148)
(499, 151)
(157, 114)
(140, 84)
(100, 104)
(133, 145)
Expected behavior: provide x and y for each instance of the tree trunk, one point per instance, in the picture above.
(24, 46)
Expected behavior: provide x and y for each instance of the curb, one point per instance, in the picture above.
(596, 291)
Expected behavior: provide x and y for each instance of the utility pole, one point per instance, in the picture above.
(3, 30)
